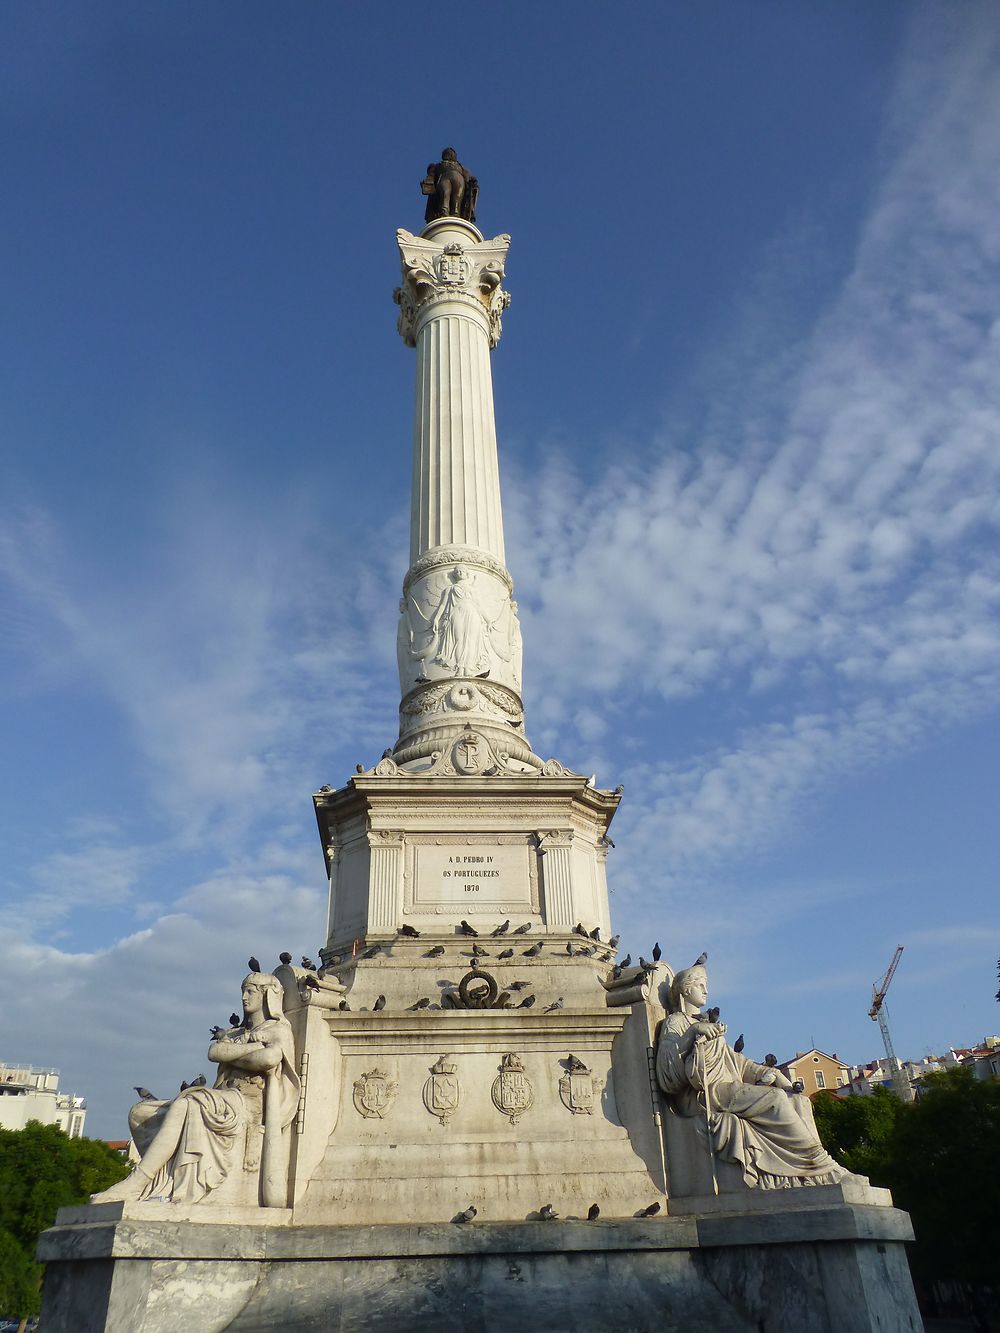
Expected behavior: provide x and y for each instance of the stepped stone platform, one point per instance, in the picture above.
(148, 1268)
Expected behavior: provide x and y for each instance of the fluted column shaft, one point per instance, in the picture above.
(456, 479)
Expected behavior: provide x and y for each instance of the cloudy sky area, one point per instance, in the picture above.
(749, 406)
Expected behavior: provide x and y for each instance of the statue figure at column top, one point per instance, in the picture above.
(451, 190)
(752, 1113)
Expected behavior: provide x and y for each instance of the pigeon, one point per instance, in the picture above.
(216, 1032)
(253, 964)
(595, 934)
(527, 1002)
(409, 931)
(199, 1082)
(522, 930)
(436, 952)
(466, 929)
(502, 929)
(519, 985)
(547, 1213)
(479, 952)
(579, 930)
(344, 1006)
(468, 1215)
(701, 960)
(308, 964)
(146, 1095)
(285, 958)
(507, 953)
(626, 961)
(770, 1060)
(379, 1004)
(646, 966)
(235, 1020)
(370, 953)
(184, 1086)
(570, 950)
(713, 1014)
(738, 1044)
(573, 1064)
(421, 1004)
(589, 952)
(651, 1211)
(556, 1004)
(613, 942)
(657, 953)
(593, 1212)
(616, 971)
(798, 1086)
(534, 951)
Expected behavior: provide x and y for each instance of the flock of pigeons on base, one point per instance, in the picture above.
(548, 1214)
(593, 946)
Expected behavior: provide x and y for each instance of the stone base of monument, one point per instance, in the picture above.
(801, 1263)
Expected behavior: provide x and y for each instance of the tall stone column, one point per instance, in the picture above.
(459, 640)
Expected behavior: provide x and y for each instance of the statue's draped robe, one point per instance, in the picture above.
(769, 1133)
(213, 1136)
(460, 630)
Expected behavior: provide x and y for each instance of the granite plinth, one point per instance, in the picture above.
(835, 1267)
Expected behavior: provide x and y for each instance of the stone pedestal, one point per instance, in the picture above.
(139, 1269)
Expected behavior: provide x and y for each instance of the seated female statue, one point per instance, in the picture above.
(750, 1112)
(191, 1144)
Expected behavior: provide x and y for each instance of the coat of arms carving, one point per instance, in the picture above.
(578, 1088)
(452, 266)
(442, 1091)
(512, 1091)
(374, 1093)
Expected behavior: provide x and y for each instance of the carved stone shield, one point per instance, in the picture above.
(512, 1091)
(442, 1091)
(579, 1090)
(374, 1093)
(452, 267)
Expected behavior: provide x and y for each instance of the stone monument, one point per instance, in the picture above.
(471, 1114)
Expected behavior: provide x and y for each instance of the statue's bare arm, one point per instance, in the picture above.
(256, 1057)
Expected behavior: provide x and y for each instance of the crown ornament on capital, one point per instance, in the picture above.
(467, 271)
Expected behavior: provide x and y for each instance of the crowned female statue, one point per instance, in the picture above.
(191, 1144)
(750, 1112)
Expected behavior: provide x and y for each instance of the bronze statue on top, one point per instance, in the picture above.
(451, 190)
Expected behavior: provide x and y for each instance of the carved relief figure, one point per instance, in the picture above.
(749, 1111)
(451, 190)
(191, 1144)
(457, 631)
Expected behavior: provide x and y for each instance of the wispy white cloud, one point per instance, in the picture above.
(833, 553)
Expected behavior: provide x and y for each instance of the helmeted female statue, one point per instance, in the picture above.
(191, 1144)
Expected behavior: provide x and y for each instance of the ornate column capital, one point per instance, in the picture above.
(458, 272)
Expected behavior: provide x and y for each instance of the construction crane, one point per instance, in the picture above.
(878, 1013)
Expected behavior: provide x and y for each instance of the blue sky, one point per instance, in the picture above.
(748, 403)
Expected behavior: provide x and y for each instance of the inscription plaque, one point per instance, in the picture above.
(478, 876)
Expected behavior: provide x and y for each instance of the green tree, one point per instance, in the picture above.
(859, 1131)
(945, 1172)
(41, 1171)
(940, 1156)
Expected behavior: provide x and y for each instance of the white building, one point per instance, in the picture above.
(33, 1094)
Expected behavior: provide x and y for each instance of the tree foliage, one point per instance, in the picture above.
(41, 1171)
(940, 1156)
